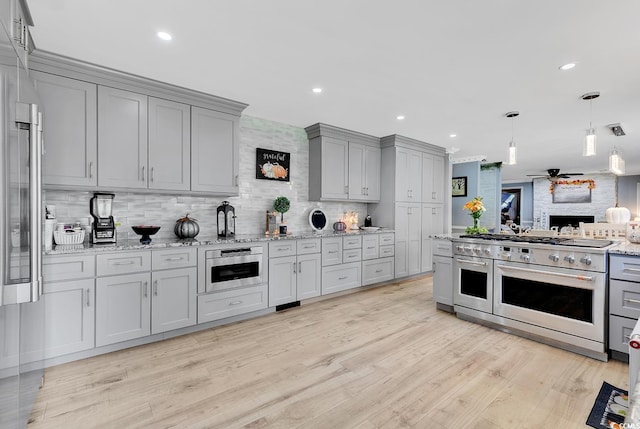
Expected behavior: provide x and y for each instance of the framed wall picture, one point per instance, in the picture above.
(273, 165)
(459, 186)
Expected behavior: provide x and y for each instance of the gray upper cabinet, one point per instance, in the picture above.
(122, 138)
(215, 151)
(328, 169)
(432, 178)
(70, 112)
(364, 172)
(343, 165)
(169, 145)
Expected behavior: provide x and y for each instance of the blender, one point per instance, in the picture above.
(104, 227)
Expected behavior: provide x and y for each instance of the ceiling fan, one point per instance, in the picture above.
(554, 173)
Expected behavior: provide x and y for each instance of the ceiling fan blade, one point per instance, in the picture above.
(573, 174)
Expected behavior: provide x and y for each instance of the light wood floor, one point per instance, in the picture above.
(378, 358)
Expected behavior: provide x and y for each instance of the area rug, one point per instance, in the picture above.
(610, 408)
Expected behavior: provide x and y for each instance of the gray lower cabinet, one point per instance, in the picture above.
(220, 305)
(133, 302)
(294, 271)
(624, 300)
(122, 138)
(69, 311)
(63, 320)
(215, 151)
(123, 310)
(70, 123)
(173, 302)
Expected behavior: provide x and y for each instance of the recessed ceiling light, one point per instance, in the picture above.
(453, 135)
(567, 66)
(400, 117)
(317, 90)
(164, 35)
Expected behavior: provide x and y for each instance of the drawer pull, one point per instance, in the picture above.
(633, 270)
(343, 278)
(332, 251)
(308, 247)
(378, 271)
(280, 249)
(235, 303)
(124, 263)
(351, 256)
(632, 301)
(627, 337)
(176, 258)
(371, 247)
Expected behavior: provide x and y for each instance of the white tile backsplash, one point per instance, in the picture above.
(256, 196)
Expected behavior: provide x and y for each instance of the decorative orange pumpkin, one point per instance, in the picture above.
(279, 171)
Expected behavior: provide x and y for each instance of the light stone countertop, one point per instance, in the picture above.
(626, 248)
(167, 243)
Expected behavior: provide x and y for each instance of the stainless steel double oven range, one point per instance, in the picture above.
(550, 289)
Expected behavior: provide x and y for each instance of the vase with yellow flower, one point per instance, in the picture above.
(476, 208)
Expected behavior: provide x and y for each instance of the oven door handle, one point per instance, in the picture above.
(466, 261)
(550, 273)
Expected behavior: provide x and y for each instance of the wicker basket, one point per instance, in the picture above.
(63, 237)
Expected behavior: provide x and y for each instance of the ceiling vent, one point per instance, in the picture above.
(617, 130)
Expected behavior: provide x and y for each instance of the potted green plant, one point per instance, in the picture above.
(281, 205)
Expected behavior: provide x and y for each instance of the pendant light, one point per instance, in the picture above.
(589, 147)
(512, 159)
(616, 162)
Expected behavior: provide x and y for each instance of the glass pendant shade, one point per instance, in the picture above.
(589, 148)
(512, 153)
(616, 163)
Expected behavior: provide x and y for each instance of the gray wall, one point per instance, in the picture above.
(628, 194)
(460, 217)
(256, 196)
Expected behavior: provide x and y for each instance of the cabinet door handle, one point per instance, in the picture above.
(143, 173)
(146, 289)
(152, 173)
(346, 189)
(235, 303)
(434, 195)
(155, 287)
(237, 181)
(294, 268)
(88, 299)
(434, 210)
(90, 169)
(299, 267)
(632, 301)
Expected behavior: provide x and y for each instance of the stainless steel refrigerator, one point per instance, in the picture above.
(20, 236)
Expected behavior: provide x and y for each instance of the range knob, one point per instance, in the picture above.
(467, 248)
(487, 251)
(586, 260)
(477, 250)
(459, 248)
(525, 257)
(506, 256)
(554, 257)
(570, 259)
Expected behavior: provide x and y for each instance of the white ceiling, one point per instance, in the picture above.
(454, 66)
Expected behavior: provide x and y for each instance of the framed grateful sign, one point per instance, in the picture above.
(273, 165)
(459, 186)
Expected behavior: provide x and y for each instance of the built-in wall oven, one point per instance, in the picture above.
(234, 267)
